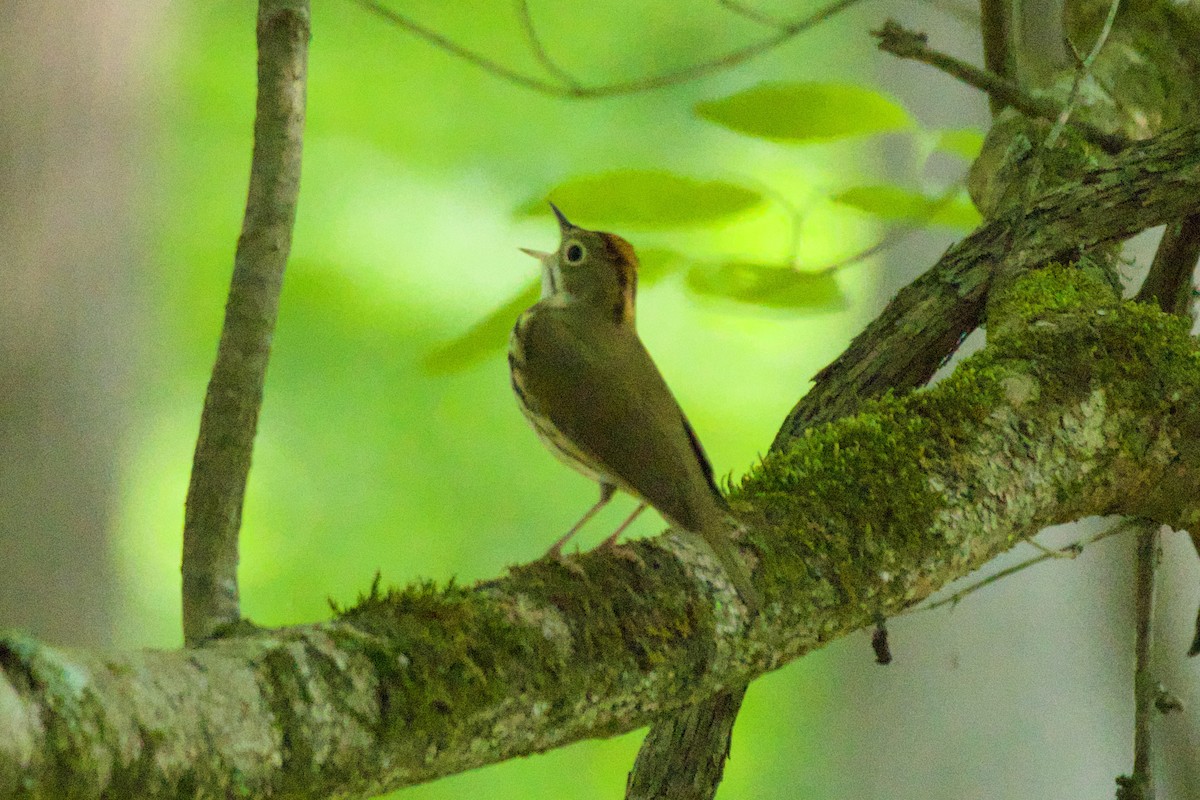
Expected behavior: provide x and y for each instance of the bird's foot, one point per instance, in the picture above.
(565, 561)
(624, 551)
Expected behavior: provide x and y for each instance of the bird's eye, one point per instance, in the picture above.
(575, 253)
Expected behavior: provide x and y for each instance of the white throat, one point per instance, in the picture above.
(552, 284)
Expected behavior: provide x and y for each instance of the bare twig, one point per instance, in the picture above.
(1075, 548)
(897, 40)
(1081, 72)
(996, 32)
(786, 32)
(1067, 552)
(539, 49)
(231, 406)
(751, 13)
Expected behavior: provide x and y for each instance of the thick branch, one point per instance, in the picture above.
(231, 405)
(1156, 181)
(870, 514)
(1169, 282)
(683, 756)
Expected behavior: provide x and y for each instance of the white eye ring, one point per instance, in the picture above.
(574, 252)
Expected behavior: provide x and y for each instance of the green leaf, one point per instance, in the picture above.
(644, 199)
(804, 112)
(965, 143)
(654, 264)
(897, 203)
(488, 336)
(769, 286)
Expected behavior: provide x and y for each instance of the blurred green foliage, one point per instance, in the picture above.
(953, 210)
(388, 439)
(964, 143)
(644, 199)
(806, 112)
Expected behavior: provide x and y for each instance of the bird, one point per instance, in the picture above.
(596, 399)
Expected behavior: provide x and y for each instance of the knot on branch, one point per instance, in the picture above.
(894, 38)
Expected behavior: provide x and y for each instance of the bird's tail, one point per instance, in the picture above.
(718, 539)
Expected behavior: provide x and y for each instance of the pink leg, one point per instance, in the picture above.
(612, 540)
(606, 494)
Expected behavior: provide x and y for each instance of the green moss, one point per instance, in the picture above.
(1079, 339)
(1046, 292)
(61, 689)
(435, 652)
(851, 502)
(1134, 348)
(444, 653)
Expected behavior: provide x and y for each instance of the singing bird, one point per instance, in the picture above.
(596, 399)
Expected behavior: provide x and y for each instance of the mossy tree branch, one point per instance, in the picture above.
(231, 405)
(1155, 181)
(869, 514)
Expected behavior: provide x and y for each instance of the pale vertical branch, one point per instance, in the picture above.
(1140, 784)
(231, 405)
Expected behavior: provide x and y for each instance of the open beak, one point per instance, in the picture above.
(563, 223)
(540, 255)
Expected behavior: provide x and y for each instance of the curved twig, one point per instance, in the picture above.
(539, 49)
(1081, 71)
(1073, 549)
(786, 32)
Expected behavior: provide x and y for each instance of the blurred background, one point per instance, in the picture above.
(389, 439)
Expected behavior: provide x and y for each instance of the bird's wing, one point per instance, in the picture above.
(599, 386)
(701, 456)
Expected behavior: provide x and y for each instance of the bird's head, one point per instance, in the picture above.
(592, 268)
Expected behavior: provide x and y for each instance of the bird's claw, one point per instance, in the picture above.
(624, 551)
(566, 562)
